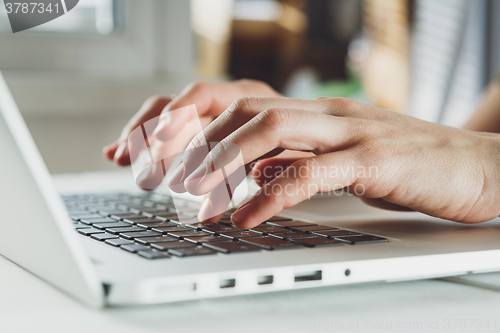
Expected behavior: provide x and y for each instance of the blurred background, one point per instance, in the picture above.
(79, 78)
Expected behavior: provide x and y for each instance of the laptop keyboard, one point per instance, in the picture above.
(149, 226)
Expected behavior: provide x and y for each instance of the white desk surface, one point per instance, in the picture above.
(465, 304)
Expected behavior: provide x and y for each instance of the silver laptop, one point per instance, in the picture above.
(123, 248)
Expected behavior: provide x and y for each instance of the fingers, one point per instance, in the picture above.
(245, 109)
(118, 151)
(162, 154)
(110, 150)
(216, 202)
(275, 128)
(210, 98)
(300, 181)
(200, 94)
(266, 170)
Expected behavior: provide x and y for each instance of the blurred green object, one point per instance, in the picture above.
(350, 88)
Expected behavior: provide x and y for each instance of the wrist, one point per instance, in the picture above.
(491, 185)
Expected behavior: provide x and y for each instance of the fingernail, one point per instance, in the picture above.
(177, 175)
(205, 212)
(162, 128)
(106, 151)
(240, 214)
(197, 175)
(120, 150)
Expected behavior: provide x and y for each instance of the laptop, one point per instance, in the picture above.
(133, 248)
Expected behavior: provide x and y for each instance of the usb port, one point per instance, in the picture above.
(308, 276)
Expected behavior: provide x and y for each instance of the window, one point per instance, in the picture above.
(110, 48)
(449, 52)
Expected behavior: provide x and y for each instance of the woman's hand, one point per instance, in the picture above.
(390, 159)
(211, 99)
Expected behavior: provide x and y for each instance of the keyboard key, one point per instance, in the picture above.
(241, 234)
(77, 217)
(262, 225)
(310, 229)
(125, 215)
(318, 241)
(206, 239)
(130, 228)
(278, 218)
(270, 243)
(90, 231)
(140, 234)
(157, 239)
(201, 225)
(152, 254)
(226, 222)
(136, 210)
(187, 220)
(163, 207)
(151, 212)
(145, 210)
(110, 225)
(108, 211)
(337, 233)
(118, 242)
(188, 211)
(219, 230)
(172, 245)
(189, 233)
(266, 230)
(103, 237)
(134, 247)
(192, 251)
(99, 219)
(171, 229)
(169, 217)
(94, 208)
(288, 224)
(140, 220)
(363, 239)
(230, 247)
(158, 224)
(289, 235)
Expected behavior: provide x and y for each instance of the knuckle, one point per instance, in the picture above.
(156, 99)
(222, 148)
(256, 83)
(242, 105)
(195, 86)
(275, 119)
(342, 102)
(197, 141)
(306, 168)
(338, 103)
(245, 82)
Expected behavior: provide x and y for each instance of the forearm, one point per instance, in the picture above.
(487, 115)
